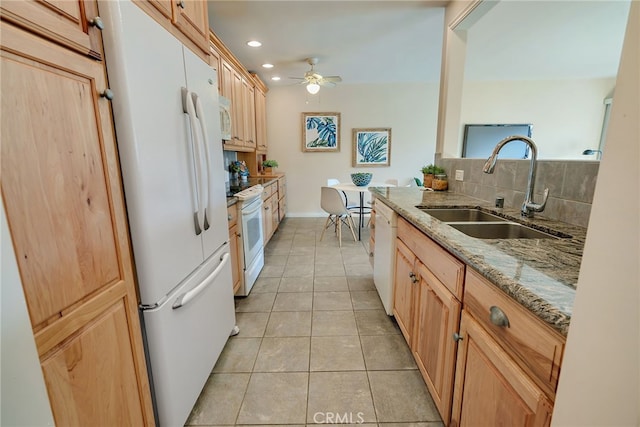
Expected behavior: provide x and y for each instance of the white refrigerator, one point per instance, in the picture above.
(165, 104)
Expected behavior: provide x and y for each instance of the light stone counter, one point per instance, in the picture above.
(540, 274)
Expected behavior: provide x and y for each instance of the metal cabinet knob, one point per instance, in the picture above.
(413, 277)
(497, 317)
(107, 94)
(457, 337)
(229, 217)
(181, 4)
(97, 22)
(239, 235)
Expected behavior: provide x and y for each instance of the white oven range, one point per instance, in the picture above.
(250, 205)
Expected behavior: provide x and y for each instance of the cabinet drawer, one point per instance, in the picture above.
(282, 190)
(268, 191)
(534, 345)
(447, 268)
(232, 215)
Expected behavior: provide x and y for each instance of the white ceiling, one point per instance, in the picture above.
(400, 41)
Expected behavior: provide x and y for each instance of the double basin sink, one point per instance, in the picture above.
(477, 223)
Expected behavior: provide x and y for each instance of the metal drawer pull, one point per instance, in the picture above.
(497, 317)
(107, 94)
(457, 337)
(181, 4)
(413, 277)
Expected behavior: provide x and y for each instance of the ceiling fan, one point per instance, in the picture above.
(313, 80)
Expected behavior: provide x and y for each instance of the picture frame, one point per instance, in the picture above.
(371, 147)
(321, 132)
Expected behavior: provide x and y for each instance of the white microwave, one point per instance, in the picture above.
(225, 118)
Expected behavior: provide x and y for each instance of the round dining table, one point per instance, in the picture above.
(349, 186)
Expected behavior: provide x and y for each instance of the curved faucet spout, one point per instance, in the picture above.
(529, 206)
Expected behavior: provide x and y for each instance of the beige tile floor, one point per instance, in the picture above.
(315, 346)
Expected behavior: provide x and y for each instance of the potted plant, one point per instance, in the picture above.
(268, 165)
(428, 173)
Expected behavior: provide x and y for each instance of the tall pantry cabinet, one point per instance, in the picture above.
(62, 193)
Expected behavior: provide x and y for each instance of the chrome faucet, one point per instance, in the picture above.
(528, 207)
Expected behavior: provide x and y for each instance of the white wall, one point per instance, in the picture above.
(410, 110)
(566, 114)
(600, 377)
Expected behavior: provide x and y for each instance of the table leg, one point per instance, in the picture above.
(361, 212)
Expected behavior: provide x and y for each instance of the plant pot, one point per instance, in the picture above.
(440, 183)
(268, 171)
(428, 180)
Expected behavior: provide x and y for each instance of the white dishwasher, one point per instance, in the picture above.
(384, 265)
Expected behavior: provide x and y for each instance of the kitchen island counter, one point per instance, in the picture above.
(540, 274)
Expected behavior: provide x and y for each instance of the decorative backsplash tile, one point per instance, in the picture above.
(571, 184)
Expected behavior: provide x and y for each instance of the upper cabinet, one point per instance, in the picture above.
(261, 118)
(74, 24)
(187, 20)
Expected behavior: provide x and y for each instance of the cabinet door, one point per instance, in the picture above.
(190, 16)
(249, 114)
(237, 108)
(437, 318)
(63, 21)
(163, 6)
(490, 388)
(236, 269)
(267, 219)
(274, 213)
(92, 375)
(403, 290)
(62, 193)
(261, 120)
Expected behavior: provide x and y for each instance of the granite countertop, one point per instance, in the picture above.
(540, 274)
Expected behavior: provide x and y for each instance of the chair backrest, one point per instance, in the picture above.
(332, 181)
(391, 181)
(331, 201)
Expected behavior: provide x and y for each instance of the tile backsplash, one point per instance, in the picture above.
(571, 184)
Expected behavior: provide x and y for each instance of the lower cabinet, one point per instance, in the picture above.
(490, 388)
(485, 359)
(235, 248)
(428, 315)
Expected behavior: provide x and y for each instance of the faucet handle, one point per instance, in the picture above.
(539, 207)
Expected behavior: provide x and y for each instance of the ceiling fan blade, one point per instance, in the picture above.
(326, 83)
(298, 78)
(334, 79)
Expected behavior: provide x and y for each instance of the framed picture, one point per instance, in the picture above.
(371, 147)
(320, 132)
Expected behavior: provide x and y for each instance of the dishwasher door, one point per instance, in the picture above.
(385, 254)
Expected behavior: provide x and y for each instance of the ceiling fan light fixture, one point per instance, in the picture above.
(313, 88)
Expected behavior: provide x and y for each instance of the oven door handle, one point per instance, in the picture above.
(188, 296)
(249, 212)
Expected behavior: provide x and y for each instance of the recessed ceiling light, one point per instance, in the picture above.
(254, 43)
(267, 65)
(275, 78)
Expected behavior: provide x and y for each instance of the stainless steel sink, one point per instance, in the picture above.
(461, 215)
(503, 230)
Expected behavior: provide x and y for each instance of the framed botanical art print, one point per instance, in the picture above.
(320, 132)
(371, 147)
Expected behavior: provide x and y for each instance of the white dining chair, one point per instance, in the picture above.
(331, 182)
(331, 202)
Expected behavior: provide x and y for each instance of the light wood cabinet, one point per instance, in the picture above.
(403, 290)
(249, 111)
(282, 197)
(237, 108)
(261, 119)
(215, 60)
(188, 20)
(490, 387)
(235, 247)
(434, 349)
(63, 197)
(270, 192)
(66, 22)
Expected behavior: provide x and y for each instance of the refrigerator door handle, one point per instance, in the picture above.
(188, 296)
(188, 108)
(205, 144)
